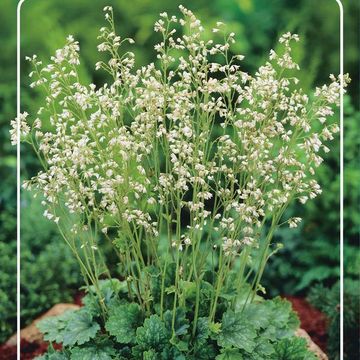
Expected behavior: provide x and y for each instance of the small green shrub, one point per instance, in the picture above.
(327, 300)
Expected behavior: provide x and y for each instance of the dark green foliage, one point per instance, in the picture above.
(123, 321)
(102, 350)
(47, 279)
(110, 289)
(327, 300)
(70, 328)
(181, 324)
(80, 329)
(292, 349)
(49, 273)
(230, 354)
(7, 244)
(54, 327)
(152, 335)
(202, 333)
(256, 333)
(254, 330)
(237, 333)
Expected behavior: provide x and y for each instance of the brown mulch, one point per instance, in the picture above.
(312, 320)
(78, 297)
(29, 350)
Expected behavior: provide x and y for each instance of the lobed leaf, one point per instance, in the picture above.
(123, 321)
(237, 332)
(153, 334)
(294, 348)
(80, 329)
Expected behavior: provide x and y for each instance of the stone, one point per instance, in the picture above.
(312, 346)
(31, 333)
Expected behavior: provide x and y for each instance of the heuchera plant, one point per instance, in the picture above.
(186, 166)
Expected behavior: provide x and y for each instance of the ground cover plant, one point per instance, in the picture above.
(190, 208)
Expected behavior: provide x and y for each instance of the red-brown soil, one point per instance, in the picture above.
(78, 297)
(312, 320)
(29, 350)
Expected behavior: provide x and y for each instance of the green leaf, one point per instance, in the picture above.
(150, 355)
(181, 345)
(203, 346)
(171, 353)
(181, 323)
(123, 321)
(237, 332)
(53, 327)
(215, 327)
(54, 356)
(202, 332)
(241, 297)
(206, 352)
(153, 334)
(252, 332)
(188, 289)
(109, 290)
(155, 282)
(230, 354)
(274, 318)
(100, 351)
(263, 349)
(80, 328)
(294, 348)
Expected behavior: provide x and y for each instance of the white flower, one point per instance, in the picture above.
(21, 124)
(104, 230)
(293, 222)
(143, 153)
(187, 131)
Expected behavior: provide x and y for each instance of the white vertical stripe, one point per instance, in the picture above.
(341, 180)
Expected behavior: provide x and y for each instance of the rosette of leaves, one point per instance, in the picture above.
(262, 330)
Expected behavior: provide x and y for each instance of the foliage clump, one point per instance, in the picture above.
(264, 330)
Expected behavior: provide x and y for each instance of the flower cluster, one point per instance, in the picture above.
(190, 146)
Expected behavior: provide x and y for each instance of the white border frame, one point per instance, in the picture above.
(341, 13)
(18, 187)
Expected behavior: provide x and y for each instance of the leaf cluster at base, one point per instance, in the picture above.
(262, 330)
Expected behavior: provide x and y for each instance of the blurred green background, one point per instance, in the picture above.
(311, 255)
